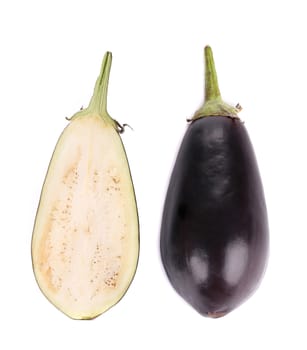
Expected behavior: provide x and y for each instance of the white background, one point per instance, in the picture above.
(50, 56)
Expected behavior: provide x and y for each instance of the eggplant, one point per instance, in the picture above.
(214, 238)
(85, 242)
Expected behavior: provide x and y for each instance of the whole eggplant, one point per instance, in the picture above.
(214, 233)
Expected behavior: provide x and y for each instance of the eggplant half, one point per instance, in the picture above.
(85, 242)
(214, 233)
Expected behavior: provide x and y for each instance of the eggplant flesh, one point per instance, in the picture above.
(85, 242)
(214, 232)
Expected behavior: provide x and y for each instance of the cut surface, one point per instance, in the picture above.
(85, 240)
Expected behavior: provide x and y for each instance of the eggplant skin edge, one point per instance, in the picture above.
(214, 238)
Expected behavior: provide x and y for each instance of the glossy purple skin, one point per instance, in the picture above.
(214, 233)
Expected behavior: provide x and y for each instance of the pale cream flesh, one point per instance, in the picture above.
(85, 241)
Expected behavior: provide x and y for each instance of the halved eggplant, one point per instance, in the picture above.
(85, 242)
(214, 232)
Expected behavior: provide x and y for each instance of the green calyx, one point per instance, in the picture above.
(214, 105)
(98, 102)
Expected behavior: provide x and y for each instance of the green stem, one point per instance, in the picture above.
(212, 91)
(213, 105)
(98, 103)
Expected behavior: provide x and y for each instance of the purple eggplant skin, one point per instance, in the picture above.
(214, 237)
